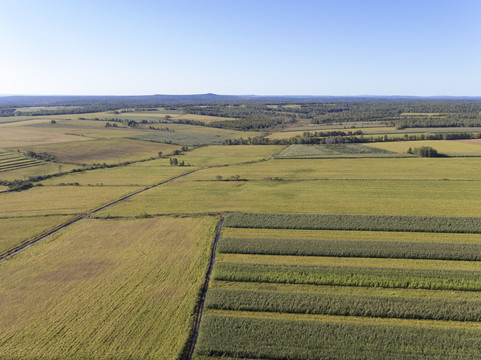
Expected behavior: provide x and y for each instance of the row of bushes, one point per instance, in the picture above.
(355, 222)
(345, 305)
(350, 276)
(352, 248)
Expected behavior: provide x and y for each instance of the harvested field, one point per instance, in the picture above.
(58, 200)
(334, 150)
(108, 151)
(436, 198)
(14, 230)
(22, 136)
(442, 146)
(95, 291)
(134, 174)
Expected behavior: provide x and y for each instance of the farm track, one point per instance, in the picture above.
(32, 241)
(29, 242)
(201, 304)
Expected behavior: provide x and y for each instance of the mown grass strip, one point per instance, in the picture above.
(305, 340)
(345, 305)
(350, 276)
(352, 248)
(355, 222)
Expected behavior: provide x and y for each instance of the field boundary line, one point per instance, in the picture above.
(200, 307)
(39, 237)
(29, 242)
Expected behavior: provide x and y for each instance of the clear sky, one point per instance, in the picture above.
(264, 47)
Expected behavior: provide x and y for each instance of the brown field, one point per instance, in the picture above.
(97, 291)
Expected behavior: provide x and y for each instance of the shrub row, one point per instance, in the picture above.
(352, 248)
(283, 339)
(346, 305)
(350, 276)
(355, 222)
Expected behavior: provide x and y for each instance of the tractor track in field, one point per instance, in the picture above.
(190, 347)
(33, 240)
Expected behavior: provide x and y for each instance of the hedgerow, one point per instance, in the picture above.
(355, 222)
(350, 276)
(352, 248)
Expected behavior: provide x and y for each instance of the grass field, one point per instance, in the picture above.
(100, 151)
(220, 155)
(96, 291)
(59, 200)
(23, 136)
(14, 230)
(468, 168)
(437, 198)
(449, 147)
(46, 168)
(145, 173)
(334, 150)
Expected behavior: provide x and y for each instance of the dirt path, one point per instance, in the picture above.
(200, 306)
(32, 241)
(29, 242)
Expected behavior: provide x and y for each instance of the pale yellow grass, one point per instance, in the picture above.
(109, 151)
(442, 146)
(105, 290)
(204, 118)
(59, 200)
(220, 155)
(21, 136)
(14, 230)
(134, 174)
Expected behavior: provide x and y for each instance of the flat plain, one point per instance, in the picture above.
(338, 251)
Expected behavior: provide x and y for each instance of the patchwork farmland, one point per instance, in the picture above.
(202, 232)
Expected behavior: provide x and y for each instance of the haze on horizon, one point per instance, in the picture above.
(265, 47)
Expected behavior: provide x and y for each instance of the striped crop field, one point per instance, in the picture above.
(13, 161)
(311, 286)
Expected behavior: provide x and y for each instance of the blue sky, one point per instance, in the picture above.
(260, 47)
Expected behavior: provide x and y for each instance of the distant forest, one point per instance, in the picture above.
(260, 113)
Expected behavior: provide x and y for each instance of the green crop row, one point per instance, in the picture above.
(350, 276)
(355, 222)
(346, 305)
(284, 339)
(352, 248)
